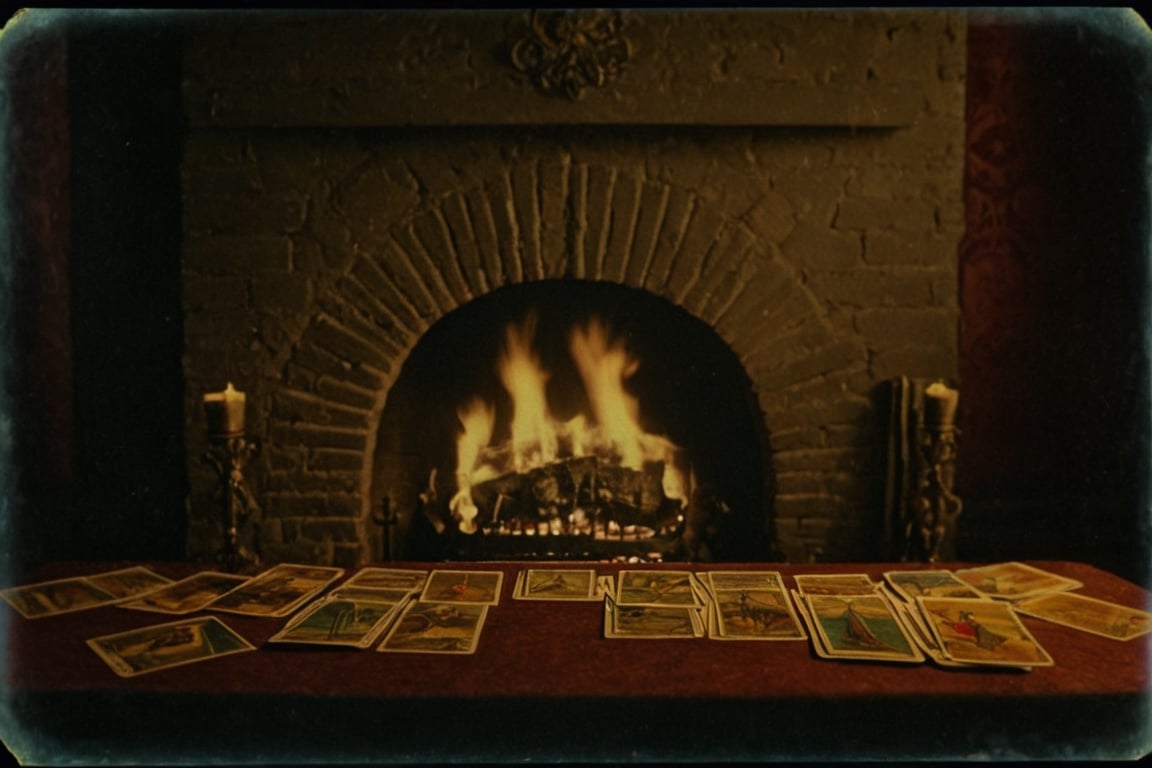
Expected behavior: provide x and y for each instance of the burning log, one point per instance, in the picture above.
(574, 496)
(598, 474)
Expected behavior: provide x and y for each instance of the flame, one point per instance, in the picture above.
(478, 420)
(534, 438)
(578, 434)
(604, 367)
(612, 430)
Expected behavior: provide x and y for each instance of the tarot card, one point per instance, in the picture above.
(707, 605)
(729, 580)
(710, 614)
(1088, 614)
(279, 591)
(753, 605)
(187, 595)
(910, 585)
(656, 588)
(49, 598)
(909, 614)
(1014, 581)
(81, 592)
(835, 584)
(168, 645)
(806, 618)
(340, 621)
(436, 627)
(757, 615)
(478, 587)
(701, 590)
(371, 594)
(982, 632)
(128, 582)
(651, 622)
(556, 584)
(861, 627)
(389, 578)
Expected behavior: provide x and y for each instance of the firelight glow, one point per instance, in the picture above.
(605, 366)
(534, 440)
(612, 431)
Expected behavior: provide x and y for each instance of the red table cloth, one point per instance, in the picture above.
(544, 683)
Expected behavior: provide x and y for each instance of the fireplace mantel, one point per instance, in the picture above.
(452, 68)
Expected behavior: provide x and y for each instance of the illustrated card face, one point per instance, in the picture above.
(278, 591)
(168, 645)
(187, 595)
(752, 605)
(806, 617)
(917, 629)
(436, 627)
(728, 580)
(477, 587)
(371, 594)
(339, 621)
(913, 584)
(638, 587)
(860, 627)
(1014, 581)
(389, 578)
(651, 621)
(982, 632)
(49, 598)
(1088, 614)
(757, 615)
(128, 582)
(835, 584)
(556, 584)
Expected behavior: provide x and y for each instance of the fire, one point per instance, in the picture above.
(534, 439)
(478, 420)
(611, 432)
(604, 367)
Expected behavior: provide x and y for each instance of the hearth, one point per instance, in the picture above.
(566, 418)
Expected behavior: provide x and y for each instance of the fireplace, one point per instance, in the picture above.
(579, 419)
(759, 212)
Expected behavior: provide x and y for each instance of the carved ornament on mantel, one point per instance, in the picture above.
(455, 68)
(565, 52)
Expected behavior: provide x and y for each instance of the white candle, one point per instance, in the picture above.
(940, 403)
(224, 412)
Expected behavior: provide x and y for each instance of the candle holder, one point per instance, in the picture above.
(229, 453)
(930, 520)
(229, 456)
(387, 519)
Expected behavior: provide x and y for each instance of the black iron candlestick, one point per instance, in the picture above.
(930, 532)
(229, 453)
(229, 456)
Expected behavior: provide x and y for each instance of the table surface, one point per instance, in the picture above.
(545, 650)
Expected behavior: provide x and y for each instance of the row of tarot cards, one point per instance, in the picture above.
(955, 618)
(438, 611)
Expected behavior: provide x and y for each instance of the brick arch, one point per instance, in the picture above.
(533, 222)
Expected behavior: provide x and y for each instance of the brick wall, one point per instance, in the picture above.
(792, 179)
